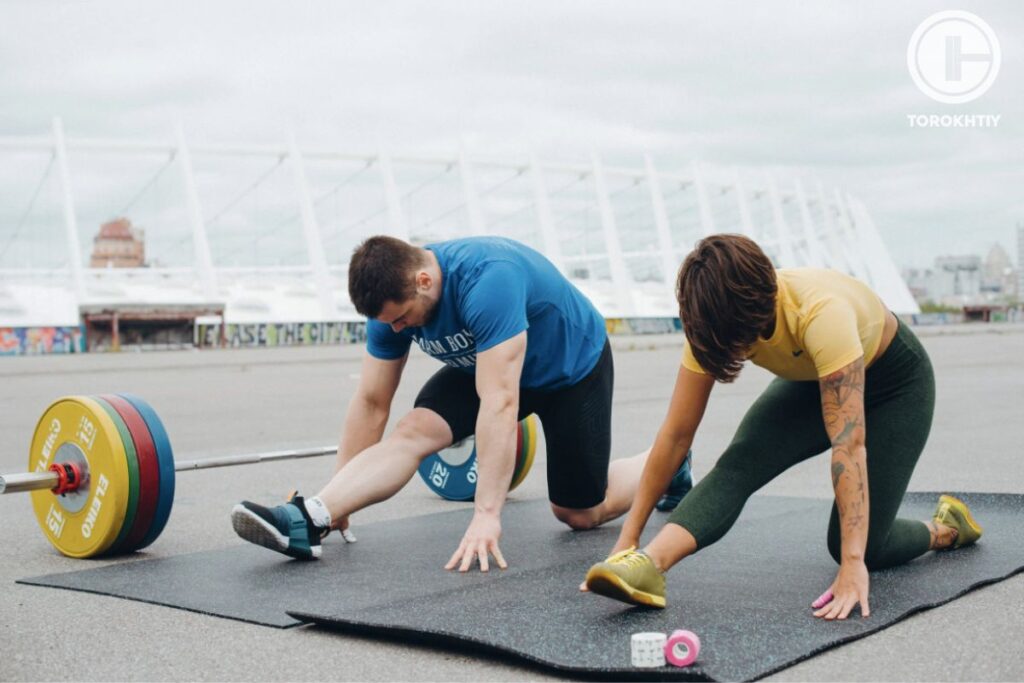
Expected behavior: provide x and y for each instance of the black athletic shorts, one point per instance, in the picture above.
(577, 423)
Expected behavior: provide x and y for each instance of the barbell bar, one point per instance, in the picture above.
(28, 481)
(38, 481)
(45, 481)
(104, 470)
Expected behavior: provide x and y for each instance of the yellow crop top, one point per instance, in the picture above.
(824, 320)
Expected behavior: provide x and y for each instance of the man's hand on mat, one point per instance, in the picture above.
(849, 588)
(481, 538)
(346, 533)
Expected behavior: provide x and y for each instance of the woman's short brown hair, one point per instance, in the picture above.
(382, 269)
(726, 291)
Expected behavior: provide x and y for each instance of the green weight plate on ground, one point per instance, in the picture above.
(132, 461)
(520, 452)
(458, 481)
(149, 471)
(165, 459)
(86, 522)
(529, 450)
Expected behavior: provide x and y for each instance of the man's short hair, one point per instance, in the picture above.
(726, 291)
(382, 269)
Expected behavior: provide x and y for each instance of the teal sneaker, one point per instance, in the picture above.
(286, 528)
(682, 482)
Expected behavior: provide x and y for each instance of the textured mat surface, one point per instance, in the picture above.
(747, 596)
(395, 560)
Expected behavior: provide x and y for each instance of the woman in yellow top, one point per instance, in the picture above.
(850, 377)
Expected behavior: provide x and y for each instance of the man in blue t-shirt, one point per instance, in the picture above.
(516, 338)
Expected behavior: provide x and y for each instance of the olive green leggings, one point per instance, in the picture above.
(785, 427)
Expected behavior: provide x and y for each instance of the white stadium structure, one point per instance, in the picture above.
(262, 234)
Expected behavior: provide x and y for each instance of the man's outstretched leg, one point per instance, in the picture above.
(376, 474)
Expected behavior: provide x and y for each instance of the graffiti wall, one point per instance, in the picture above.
(643, 325)
(281, 334)
(31, 341)
(310, 334)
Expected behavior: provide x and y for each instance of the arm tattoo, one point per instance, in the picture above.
(853, 515)
(842, 403)
(861, 479)
(837, 469)
(846, 384)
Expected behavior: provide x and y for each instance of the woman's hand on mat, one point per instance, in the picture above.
(849, 589)
(481, 538)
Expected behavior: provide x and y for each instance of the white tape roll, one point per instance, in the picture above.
(647, 650)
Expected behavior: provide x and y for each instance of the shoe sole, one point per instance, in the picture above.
(257, 530)
(962, 508)
(613, 586)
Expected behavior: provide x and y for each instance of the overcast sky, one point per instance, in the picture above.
(817, 88)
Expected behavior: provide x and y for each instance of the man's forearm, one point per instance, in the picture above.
(495, 448)
(364, 426)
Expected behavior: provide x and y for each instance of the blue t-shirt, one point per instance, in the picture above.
(493, 288)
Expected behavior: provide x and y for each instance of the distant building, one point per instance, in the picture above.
(952, 281)
(967, 280)
(956, 279)
(999, 277)
(118, 245)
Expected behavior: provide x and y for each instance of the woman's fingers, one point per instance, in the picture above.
(841, 607)
(832, 609)
(823, 599)
(847, 608)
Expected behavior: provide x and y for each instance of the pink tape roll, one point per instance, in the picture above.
(682, 648)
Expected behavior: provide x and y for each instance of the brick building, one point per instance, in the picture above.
(118, 245)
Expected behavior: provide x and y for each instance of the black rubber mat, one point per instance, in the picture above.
(396, 560)
(747, 597)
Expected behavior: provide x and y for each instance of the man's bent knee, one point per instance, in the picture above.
(578, 520)
(425, 428)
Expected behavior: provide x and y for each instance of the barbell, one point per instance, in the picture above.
(103, 470)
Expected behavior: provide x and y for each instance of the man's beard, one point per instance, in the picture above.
(429, 308)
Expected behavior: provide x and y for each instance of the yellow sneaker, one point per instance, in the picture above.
(629, 576)
(953, 512)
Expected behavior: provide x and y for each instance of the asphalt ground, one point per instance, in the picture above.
(223, 402)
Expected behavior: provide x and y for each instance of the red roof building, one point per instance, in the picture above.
(118, 245)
